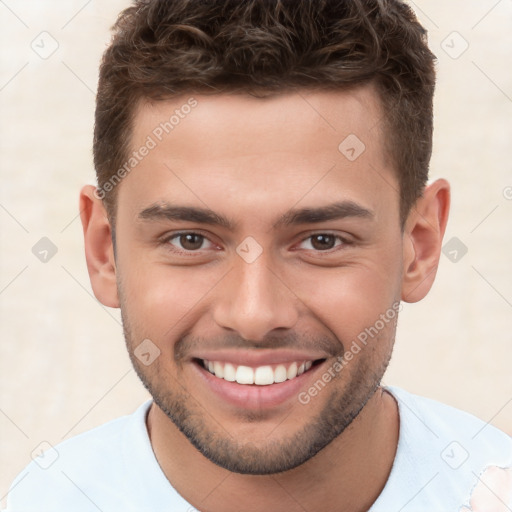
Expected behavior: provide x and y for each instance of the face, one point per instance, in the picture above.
(252, 252)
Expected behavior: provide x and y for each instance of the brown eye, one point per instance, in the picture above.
(323, 242)
(191, 241)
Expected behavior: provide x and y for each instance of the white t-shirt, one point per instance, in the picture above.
(442, 457)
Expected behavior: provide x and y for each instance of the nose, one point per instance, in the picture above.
(253, 300)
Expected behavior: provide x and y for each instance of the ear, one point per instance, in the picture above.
(99, 249)
(422, 240)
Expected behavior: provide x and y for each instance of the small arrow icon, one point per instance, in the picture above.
(44, 455)
(44, 250)
(249, 249)
(44, 45)
(455, 249)
(352, 147)
(146, 352)
(455, 455)
(454, 45)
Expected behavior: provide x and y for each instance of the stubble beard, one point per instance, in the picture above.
(207, 435)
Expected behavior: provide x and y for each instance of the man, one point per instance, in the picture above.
(262, 210)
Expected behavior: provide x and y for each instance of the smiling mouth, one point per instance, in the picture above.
(260, 376)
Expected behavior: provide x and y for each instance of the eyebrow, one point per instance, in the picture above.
(335, 211)
(185, 213)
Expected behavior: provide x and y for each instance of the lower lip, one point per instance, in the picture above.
(252, 396)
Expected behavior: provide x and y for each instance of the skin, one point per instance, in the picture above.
(254, 160)
(493, 492)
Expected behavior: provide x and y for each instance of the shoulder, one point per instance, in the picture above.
(428, 418)
(64, 473)
(444, 457)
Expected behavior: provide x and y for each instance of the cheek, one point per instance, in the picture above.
(161, 301)
(351, 299)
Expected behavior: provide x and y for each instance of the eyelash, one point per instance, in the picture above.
(167, 241)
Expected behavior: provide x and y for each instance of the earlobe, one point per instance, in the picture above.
(422, 240)
(99, 250)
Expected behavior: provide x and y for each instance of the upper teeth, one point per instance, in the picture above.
(261, 376)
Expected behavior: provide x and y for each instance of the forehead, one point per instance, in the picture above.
(244, 150)
(304, 115)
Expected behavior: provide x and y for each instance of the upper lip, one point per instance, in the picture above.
(259, 357)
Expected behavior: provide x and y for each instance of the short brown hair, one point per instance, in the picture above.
(165, 48)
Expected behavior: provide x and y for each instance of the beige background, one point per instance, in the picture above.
(63, 366)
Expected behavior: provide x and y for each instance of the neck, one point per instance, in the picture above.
(350, 472)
